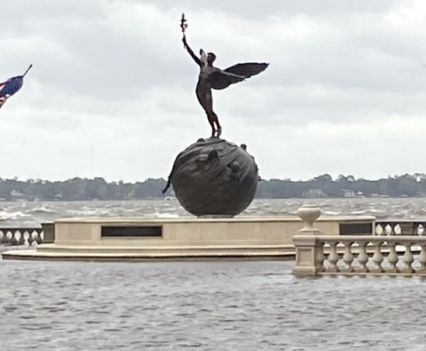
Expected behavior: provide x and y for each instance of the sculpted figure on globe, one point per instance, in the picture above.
(211, 77)
(215, 177)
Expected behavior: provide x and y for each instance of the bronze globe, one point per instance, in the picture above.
(214, 177)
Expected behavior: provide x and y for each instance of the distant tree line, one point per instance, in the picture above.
(79, 189)
(345, 186)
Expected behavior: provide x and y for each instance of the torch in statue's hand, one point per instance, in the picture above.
(183, 26)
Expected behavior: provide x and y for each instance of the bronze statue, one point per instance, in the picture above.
(213, 77)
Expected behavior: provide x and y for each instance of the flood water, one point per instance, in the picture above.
(203, 306)
(227, 305)
(30, 214)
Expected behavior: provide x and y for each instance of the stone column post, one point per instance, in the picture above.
(309, 255)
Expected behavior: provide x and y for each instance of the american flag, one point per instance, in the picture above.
(11, 86)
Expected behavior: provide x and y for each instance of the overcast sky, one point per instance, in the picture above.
(111, 93)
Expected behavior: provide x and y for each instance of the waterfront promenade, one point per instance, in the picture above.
(205, 306)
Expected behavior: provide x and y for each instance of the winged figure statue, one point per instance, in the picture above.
(211, 77)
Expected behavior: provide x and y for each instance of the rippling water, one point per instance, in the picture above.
(33, 213)
(204, 306)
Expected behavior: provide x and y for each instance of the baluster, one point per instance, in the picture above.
(362, 256)
(2, 236)
(379, 229)
(377, 257)
(397, 229)
(388, 230)
(392, 258)
(9, 236)
(347, 256)
(20, 237)
(333, 257)
(407, 258)
(41, 236)
(420, 229)
(16, 237)
(26, 237)
(422, 259)
(34, 236)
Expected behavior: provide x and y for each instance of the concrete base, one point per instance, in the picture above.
(81, 253)
(133, 239)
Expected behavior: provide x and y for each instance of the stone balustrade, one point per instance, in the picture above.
(321, 254)
(21, 236)
(400, 227)
(405, 254)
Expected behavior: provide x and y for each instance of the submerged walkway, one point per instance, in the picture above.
(206, 305)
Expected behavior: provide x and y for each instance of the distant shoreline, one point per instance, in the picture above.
(323, 186)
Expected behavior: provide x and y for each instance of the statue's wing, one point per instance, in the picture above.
(247, 69)
(237, 73)
(222, 79)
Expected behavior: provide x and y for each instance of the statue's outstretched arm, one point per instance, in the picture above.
(191, 53)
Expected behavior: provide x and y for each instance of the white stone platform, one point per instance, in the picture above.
(140, 239)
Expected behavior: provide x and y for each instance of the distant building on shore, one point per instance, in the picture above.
(352, 193)
(314, 194)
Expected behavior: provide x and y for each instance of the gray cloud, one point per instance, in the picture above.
(112, 89)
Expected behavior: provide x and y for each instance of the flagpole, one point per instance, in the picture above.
(29, 67)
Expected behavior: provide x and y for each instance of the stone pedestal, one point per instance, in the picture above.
(140, 239)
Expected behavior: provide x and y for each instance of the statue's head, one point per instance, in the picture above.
(211, 57)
